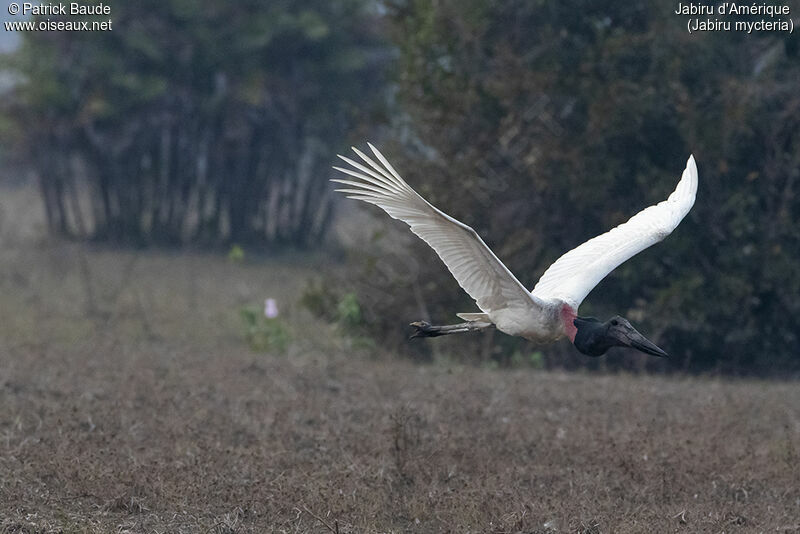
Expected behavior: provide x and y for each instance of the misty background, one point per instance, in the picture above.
(208, 129)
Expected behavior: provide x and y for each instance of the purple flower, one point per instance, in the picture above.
(270, 308)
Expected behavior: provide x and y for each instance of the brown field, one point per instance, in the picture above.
(130, 402)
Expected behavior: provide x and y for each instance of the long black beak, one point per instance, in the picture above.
(634, 339)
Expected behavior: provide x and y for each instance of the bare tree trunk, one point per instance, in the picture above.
(180, 177)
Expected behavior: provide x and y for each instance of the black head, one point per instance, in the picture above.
(594, 338)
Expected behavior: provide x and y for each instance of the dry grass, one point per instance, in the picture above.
(130, 403)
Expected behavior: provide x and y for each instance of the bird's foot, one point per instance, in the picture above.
(425, 329)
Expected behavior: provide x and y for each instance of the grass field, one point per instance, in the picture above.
(130, 402)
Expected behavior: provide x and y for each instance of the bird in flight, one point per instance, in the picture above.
(550, 310)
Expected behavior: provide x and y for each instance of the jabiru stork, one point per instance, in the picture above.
(550, 310)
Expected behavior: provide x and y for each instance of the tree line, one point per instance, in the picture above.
(199, 123)
(541, 124)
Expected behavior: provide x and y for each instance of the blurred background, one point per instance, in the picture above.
(161, 180)
(198, 335)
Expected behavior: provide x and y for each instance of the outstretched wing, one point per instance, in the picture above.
(578, 271)
(471, 262)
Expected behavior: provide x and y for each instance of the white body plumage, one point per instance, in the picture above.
(547, 312)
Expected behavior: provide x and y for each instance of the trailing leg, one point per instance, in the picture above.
(425, 329)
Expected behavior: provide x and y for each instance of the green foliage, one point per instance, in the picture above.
(342, 308)
(329, 302)
(349, 311)
(236, 253)
(201, 122)
(264, 334)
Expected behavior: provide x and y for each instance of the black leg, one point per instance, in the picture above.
(425, 329)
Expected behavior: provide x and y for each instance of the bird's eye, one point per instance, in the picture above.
(614, 322)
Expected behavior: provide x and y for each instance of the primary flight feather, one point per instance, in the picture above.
(550, 310)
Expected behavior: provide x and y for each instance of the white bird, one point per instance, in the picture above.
(550, 310)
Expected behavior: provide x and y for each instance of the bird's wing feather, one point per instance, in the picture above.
(482, 275)
(578, 271)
